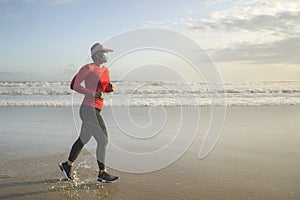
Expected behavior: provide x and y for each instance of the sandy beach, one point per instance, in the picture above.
(257, 157)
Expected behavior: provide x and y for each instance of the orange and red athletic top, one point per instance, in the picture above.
(95, 79)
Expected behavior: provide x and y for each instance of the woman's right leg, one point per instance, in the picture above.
(83, 138)
(75, 150)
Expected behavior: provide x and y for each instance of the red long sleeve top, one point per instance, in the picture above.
(95, 79)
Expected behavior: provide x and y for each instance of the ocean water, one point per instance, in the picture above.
(155, 93)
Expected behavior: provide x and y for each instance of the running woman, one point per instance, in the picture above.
(96, 82)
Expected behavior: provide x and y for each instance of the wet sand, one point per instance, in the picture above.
(257, 157)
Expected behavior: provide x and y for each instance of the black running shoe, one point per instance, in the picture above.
(105, 177)
(66, 169)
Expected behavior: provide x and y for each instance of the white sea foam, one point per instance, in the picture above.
(155, 94)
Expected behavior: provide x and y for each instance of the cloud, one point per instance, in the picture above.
(161, 24)
(285, 23)
(257, 17)
(280, 52)
(152, 23)
(264, 31)
(69, 69)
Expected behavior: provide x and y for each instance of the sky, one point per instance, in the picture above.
(248, 40)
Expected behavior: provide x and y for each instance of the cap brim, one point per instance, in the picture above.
(107, 50)
(100, 48)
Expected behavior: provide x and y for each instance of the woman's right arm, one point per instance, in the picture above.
(78, 79)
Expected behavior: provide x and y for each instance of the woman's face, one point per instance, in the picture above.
(101, 56)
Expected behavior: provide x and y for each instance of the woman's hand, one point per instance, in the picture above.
(111, 87)
(99, 94)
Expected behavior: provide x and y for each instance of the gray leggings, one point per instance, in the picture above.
(92, 125)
